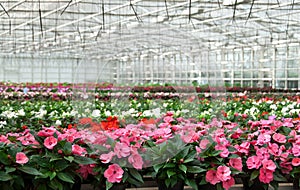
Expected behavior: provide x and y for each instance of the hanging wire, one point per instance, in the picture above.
(40, 15)
(9, 20)
(66, 7)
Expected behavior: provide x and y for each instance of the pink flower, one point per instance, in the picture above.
(253, 162)
(286, 167)
(265, 176)
(280, 138)
(296, 161)
(223, 173)
(228, 183)
(269, 165)
(211, 177)
(136, 160)
(21, 158)
(244, 147)
(236, 163)
(122, 150)
(87, 169)
(76, 149)
(50, 142)
(46, 132)
(263, 153)
(203, 144)
(114, 173)
(106, 158)
(263, 139)
(296, 149)
(225, 151)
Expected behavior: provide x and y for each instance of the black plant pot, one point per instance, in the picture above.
(162, 186)
(116, 186)
(256, 185)
(207, 186)
(296, 184)
(77, 185)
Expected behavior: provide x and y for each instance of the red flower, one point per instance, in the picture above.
(21, 158)
(228, 183)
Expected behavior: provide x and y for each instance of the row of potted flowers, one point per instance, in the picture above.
(170, 149)
(14, 114)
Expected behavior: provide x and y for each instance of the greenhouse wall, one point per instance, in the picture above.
(277, 67)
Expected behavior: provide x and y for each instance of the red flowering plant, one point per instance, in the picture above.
(48, 158)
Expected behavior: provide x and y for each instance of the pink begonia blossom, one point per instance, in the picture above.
(262, 153)
(50, 142)
(265, 176)
(263, 139)
(168, 119)
(269, 165)
(211, 177)
(136, 160)
(106, 158)
(223, 173)
(228, 183)
(114, 173)
(296, 149)
(46, 132)
(78, 150)
(122, 150)
(21, 158)
(86, 169)
(236, 163)
(189, 136)
(296, 161)
(280, 138)
(253, 162)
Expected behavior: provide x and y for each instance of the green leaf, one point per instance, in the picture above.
(55, 184)
(182, 168)
(29, 170)
(254, 175)
(195, 169)
(61, 165)
(170, 165)
(51, 174)
(3, 158)
(67, 149)
(66, 177)
(108, 185)
(134, 173)
(69, 158)
(10, 169)
(170, 173)
(4, 176)
(191, 183)
(279, 177)
(157, 167)
(83, 160)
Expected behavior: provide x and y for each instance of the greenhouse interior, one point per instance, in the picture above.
(165, 94)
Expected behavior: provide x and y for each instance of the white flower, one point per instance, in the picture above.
(107, 113)
(2, 124)
(58, 123)
(273, 107)
(21, 112)
(96, 113)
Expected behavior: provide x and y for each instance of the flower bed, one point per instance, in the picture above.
(53, 143)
